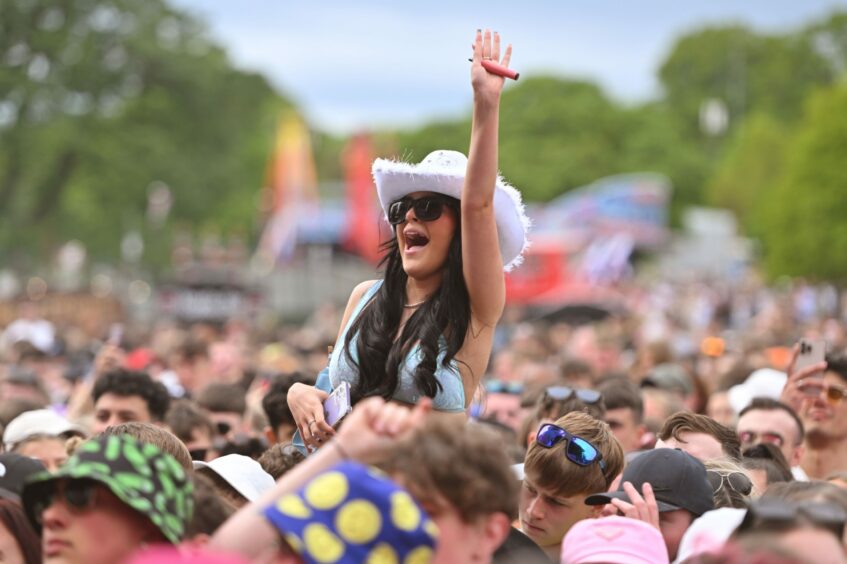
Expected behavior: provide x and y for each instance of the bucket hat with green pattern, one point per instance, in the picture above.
(139, 474)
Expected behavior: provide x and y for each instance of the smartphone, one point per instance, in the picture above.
(337, 405)
(812, 351)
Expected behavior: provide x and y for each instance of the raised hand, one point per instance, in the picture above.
(790, 394)
(642, 508)
(486, 47)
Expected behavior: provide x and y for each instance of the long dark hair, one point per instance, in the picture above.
(445, 313)
(13, 518)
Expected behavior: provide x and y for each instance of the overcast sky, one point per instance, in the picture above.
(372, 63)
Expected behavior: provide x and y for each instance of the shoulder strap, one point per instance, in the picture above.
(367, 297)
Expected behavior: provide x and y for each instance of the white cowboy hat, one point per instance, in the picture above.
(443, 172)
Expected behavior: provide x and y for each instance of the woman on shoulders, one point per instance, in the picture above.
(426, 328)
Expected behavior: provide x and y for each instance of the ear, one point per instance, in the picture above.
(270, 435)
(495, 530)
(596, 511)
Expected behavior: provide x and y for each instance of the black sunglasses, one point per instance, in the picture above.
(198, 453)
(427, 208)
(780, 515)
(78, 495)
(223, 427)
(561, 393)
(577, 450)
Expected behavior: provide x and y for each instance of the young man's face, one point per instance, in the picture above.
(49, 450)
(107, 532)
(112, 409)
(773, 426)
(545, 517)
(627, 431)
(825, 420)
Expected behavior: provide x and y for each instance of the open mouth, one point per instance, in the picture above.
(415, 241)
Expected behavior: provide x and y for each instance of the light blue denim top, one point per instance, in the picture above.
(450, 398)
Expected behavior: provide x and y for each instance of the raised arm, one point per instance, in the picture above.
(483, 265)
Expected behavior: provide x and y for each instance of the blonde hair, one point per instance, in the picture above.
(729, 492)
(550, 468)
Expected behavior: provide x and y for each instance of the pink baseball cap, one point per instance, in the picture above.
(616, 540)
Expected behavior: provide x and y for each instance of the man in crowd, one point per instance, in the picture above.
(112, 497)
(122, 396)
(766, 420)
(281, 425)
(458, 474)
(700, 436)
(666, 487)
(820, 394)
(226, 404)
(40, 434)
(576, 456)
(624, 412)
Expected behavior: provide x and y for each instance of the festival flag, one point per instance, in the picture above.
(291, 189)
(362, 232)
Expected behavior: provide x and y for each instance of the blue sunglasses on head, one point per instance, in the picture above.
(577, 450)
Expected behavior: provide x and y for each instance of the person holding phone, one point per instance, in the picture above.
(426, 328)
(818, 392)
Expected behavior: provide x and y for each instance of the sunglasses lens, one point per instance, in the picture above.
(79, 494)
(397, 212)
(223, 428)
(559, 393)
(588, 396)
(198, 453)
(834, 395)
(581, 452)
(549, 435)
(428, 209)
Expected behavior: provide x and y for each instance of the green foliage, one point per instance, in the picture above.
(750, 171)
(805, 229)
(101, 100)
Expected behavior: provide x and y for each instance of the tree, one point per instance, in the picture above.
(100, 99)
(752, 167)
(805, 231)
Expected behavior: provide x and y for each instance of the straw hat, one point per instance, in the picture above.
(443, 172)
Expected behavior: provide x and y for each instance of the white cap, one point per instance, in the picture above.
(37, 422)
(709, 532)
(242, 473)
(765, 382)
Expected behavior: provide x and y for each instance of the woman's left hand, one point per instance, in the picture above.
(486, 47)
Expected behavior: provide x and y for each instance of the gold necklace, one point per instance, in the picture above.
(410, 306)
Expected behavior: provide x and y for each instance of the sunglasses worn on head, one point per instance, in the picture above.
(504, 387)
(561, 393)
(737, 481)
(833, 394)
(577, 450)
(78, 495)
(427, 208)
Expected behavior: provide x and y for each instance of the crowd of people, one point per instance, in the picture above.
(682, 429)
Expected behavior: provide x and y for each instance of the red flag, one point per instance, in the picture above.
(364, 216)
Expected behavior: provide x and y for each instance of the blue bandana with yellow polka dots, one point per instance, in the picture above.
(354, 513)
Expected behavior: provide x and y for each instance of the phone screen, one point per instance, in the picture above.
(337, 405)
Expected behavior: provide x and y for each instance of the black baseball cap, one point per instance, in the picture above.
(14, 470)
(679, 481)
